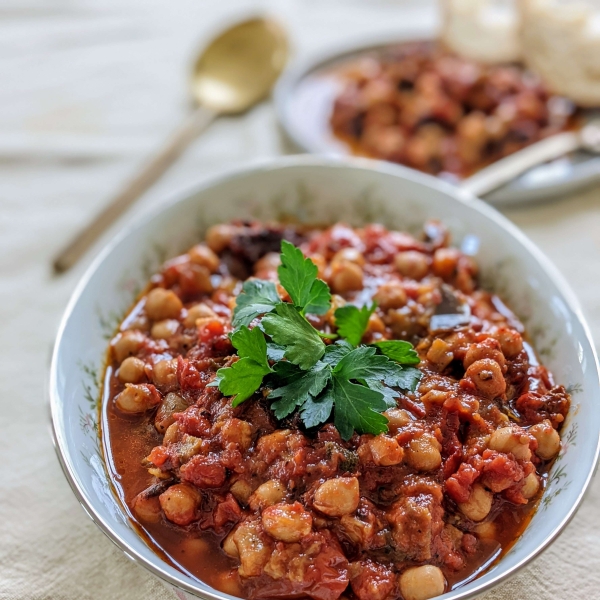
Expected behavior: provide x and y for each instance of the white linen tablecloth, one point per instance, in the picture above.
(88, 88)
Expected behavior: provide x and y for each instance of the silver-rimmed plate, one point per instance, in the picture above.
(304, 99)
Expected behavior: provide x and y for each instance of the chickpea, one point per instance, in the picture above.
(171, 404)
(336, 302)
(146, 508)
(269, 493)
(375, 324)
(268, 263)
(386, 451)
(253, 547)
(136, 322)
(488, 378)
(423, 453)
(163, 330)
(412, 264)
(156, 472)
(229, 546)
(132, 370)
(488, 349)
(195, 546)
(337, 497)
(137, 398)
(346, 277)
(180, 503)
(236, 431)
(164, 374)
(479, 504)
(229, 583)
(486, 531)
(397, 417)
(198, 311)
(273, 444)
(440, 354)
(348, 255)
(510, 340)
(171, 434)
(422, 583)
(204, 256)
(287, 522)
(241, 490)
(531, 485)
(445, 261)
(127, 344)
(321, 263)
(162, 304)
(390, 295)
(434, 398)
(218, 237)
(357, 531)
(547, 438)
(198, 279)
(511, 440)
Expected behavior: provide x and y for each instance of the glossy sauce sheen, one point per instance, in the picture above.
(367, 552)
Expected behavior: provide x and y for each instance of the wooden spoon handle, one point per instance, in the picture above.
(149, 174)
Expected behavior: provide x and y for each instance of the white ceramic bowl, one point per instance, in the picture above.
(322, 190)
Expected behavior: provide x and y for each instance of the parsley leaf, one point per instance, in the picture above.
(241, 380)
(319, 298)
(289, 328)
(335, 352)
(250, 343)
(389, 394)
(352, 321)
(307, 385)
(257, 298)
(316, 411)
(365, 365)
(406, 378)
(284, 372)
(357, 408)
(298, 275)
(244, 376)
(275, 352)
(398, 350)
(355, 382)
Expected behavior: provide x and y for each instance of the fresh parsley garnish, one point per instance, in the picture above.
(304, 386)
(288, 328)
(352, 322)
(258, 297)
(244, 376)
(399, 350)
(298, 276)
(288, 356)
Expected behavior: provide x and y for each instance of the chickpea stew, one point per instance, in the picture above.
(419, 105)
(261, 502)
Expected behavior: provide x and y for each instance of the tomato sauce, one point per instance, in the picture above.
(265, 508)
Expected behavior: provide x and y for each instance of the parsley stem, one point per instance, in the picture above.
(327, 336)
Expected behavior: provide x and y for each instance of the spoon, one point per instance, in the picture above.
(235, 72)
(506, 169)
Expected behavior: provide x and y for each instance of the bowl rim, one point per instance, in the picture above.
(155, 565)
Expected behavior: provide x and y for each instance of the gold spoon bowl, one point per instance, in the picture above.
(233, 73)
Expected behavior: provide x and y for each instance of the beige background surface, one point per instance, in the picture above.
(87, 88)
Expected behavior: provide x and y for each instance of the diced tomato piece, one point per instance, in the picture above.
(204, 471)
